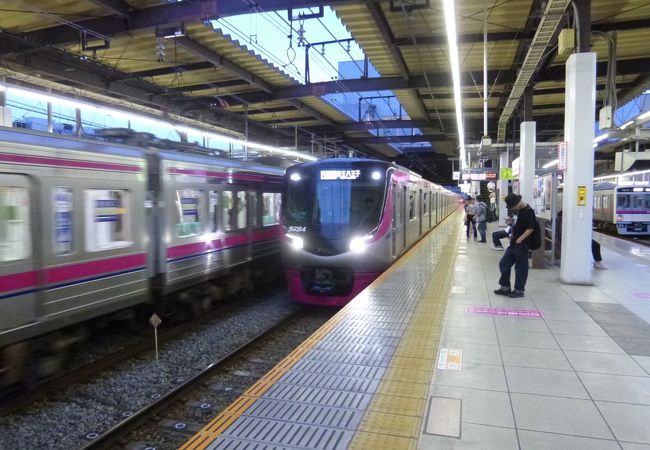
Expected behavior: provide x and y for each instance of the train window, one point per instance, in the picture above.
(255, 201)
(622, 201)
(638, 201)
(214, 210)
(411, 206)
(425, 204)
(15, 239)
(107, 224)
(270, 208)
(63, 221)
(241, 210)
(605, 202)
(188, 209)
(228, 216)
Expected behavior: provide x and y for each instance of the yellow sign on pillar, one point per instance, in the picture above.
(582, 195)
(505, 173)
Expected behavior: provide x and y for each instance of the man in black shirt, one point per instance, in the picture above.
(517, 252)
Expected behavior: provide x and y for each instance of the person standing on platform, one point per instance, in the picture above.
(471, 211)
(517, 252)
(481, 218)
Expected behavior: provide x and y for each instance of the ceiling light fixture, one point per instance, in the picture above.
(450, 23)
(551, 164)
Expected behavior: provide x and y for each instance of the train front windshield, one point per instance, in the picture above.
(331, 206)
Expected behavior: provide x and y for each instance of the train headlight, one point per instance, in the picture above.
(619, 218)
(376, 175)
(359, 244)
(295, 176)
(296, 242)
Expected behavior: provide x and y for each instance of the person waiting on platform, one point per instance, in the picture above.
(481, 218)
(501, 234)
(595, 246)
(471, 211)
(517, 252)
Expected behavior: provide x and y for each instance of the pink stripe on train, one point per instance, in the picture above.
(17, 281)
(89, 268)
(197, 248)
(70, 163)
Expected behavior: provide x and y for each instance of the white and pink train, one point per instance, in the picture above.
(88, 228)
(345, 221)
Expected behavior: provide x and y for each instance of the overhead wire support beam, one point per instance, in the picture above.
(394, 139)
(219, 61)
(388, 37)
(167, 14)
(117, 7)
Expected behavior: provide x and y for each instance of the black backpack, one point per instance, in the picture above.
(535, 239)
(490, 216)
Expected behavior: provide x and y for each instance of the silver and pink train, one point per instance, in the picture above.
(88, 228)
(345, 221)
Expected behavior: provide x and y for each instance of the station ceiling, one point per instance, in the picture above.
(105, 50)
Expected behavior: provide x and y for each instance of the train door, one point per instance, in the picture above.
(398, 218)
(435, 206)
(405, 217)
(420, 213)
(18, 276)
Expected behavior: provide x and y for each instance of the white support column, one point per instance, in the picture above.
(577, 196)
(527, 161)
(503, 190)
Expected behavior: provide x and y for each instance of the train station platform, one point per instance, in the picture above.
(428, 357)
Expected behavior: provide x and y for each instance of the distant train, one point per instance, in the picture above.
(620, 208)
(345, 221)
(89, 228)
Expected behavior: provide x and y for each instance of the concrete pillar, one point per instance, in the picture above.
(527, 161)
(577, 197)
(502, 187)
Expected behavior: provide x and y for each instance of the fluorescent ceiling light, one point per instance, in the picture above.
(450, 23)
(551, 164)
(627, 124)
(42, 97)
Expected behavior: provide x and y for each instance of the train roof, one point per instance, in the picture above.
(344, 161)
(66, 142)
(604, 185)
(228, 163)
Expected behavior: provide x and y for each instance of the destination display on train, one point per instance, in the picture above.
(339, 174)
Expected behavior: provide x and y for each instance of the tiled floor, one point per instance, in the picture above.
(576, 378)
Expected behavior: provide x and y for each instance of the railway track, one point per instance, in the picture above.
(189, 396)
(62, 418)
(17, 397)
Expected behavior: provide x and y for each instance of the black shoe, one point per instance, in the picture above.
(503, 291)
(516, 294)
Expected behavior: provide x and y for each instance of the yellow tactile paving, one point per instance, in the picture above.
(412, 363)
(373, 441)
(407, 375)
(389, 414)
(394, 418)
(391, 404)
(391, 424)
(403, 389)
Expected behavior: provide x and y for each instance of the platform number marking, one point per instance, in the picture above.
(450, 359)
